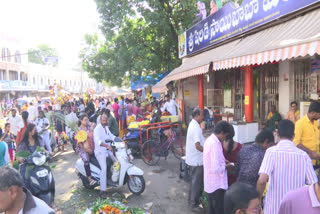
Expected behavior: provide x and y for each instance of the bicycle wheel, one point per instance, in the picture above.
(179, 146)
(150, 152)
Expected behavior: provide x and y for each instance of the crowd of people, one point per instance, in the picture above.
(267, 176)
(51, 126)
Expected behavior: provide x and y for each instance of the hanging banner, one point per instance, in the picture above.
(230, 21)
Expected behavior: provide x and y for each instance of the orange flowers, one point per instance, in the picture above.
(110, 210)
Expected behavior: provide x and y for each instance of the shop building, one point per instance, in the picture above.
(268, 57)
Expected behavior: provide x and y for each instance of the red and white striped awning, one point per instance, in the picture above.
(161, 86)
(189, 73)
(302, 50)
(199, 64)
(298, 37)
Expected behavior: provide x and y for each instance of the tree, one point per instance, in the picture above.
(38, 55)
(141, 38)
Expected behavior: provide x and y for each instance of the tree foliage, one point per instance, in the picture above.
(141, 38)
(37, 55)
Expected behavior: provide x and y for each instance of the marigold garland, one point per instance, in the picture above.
(81, 136)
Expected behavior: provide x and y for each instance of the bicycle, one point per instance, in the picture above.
(159, 146)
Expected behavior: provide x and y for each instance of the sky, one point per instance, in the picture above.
(61, 24)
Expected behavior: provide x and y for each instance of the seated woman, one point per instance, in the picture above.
(273, 118)
(85, 125)
(29, 143)
(30, 140)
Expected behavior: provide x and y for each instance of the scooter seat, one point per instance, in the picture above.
(95, 162)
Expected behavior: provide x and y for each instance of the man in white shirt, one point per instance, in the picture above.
(102, 150)
(42, 124)
(170, 105)
(14, 121)
(71, 121)
(14, 198)
(33, 112)
(194, 158)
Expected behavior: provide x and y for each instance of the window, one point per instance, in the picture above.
(48, 81)
(34, 80)
(8, 55)
(2, 74)
(17, 57)
(23, 76)
(302, 77)
(41, 81)
(3, 54)
(13, 75)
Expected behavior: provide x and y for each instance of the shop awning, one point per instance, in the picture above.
(298, 37)
(160, 87)
(199, 64)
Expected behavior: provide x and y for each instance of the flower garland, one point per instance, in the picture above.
(81, 136)
(114, 207)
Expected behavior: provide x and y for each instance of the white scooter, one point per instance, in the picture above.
(128, 172)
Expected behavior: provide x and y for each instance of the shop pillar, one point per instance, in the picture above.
(248, 93)
(200, 91)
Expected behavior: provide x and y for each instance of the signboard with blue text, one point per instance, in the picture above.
(231, 21)
(53, 59)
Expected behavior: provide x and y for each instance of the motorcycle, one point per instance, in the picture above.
(39, 178)
(127, 173)
(132, 140)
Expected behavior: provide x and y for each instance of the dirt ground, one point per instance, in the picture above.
(164, 189)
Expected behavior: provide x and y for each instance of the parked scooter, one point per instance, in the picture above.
(126, 173)
(132, 140)
(39, 178)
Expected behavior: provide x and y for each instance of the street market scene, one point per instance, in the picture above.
(160, 107)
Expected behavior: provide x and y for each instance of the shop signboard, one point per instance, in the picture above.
(53, 59)
(231, 21)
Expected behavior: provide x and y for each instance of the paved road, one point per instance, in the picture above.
(163, 187)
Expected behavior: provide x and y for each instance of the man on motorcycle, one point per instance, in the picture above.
(43, 125)
(103, 150)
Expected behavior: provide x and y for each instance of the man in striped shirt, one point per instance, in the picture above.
(286, 167)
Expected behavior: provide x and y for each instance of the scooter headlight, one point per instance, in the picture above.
(39, 161)
(34, 181)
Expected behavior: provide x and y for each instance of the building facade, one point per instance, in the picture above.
(18, 78)
(240, 65)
